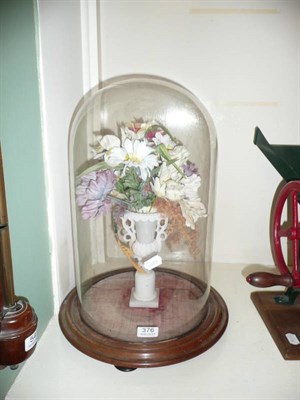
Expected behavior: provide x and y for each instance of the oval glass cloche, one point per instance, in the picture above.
(142, 155)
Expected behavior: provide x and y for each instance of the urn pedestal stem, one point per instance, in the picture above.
(144, 294)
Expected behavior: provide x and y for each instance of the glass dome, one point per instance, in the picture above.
(142, 155)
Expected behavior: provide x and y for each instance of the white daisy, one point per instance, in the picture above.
(141, 156)
(115, 156)
(133, 153)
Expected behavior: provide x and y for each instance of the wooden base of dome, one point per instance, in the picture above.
(128, 355)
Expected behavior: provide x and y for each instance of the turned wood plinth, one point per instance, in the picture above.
(104, 326)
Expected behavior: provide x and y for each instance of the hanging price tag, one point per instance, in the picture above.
(152, 262)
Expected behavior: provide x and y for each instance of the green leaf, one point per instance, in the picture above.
(163, 151)
(120, 186)
(154, 172)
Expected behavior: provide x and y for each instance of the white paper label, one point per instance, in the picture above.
(147, 331)
(292, 338)
(31, 341)
(153, 262)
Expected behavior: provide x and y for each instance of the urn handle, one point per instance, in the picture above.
(128, 234)
(162, 224)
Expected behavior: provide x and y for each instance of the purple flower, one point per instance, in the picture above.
(91, 193)
(190, 169)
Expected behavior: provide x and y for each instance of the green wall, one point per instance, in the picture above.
(21, 140)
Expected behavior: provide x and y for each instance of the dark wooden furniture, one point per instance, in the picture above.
(18, 321)
(280, 319)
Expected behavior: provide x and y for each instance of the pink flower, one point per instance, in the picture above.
(150, 135)
(91, 193)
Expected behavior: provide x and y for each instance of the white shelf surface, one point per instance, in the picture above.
(244, 364)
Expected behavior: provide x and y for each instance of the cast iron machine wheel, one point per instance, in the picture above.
(290, 277)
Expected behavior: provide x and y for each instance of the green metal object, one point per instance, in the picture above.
(284, 158)
(288, 297)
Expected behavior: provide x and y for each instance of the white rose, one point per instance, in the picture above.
(174, 190)
(180, 154)
(191, 185)
(192, 210)
(164, 139)
(110, 141)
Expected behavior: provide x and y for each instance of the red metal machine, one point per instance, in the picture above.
(286, 160)
(281, 311)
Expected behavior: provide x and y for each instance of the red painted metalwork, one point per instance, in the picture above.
(285, 159)
(290, 191)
